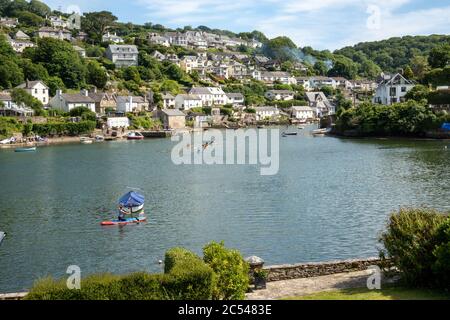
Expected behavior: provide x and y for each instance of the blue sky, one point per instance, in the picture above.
(322, 24)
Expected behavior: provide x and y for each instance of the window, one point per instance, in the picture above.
(35, 91)
(403, 89)
(393, 91)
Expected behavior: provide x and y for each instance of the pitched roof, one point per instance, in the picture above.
(30, 84)
(189, 96)
(5, 96)
(123, 48)
(313, 96)
(76, 98)
(21, 35)
(167, 95)
(302, 108)
(173, 112)
(233, 95)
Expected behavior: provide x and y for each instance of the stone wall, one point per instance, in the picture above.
(315, 269)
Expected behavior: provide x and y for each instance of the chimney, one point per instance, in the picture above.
(85, 93)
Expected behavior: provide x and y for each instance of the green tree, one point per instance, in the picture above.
(10, 73)
(96, 74)
(60, 60)
(32, 71)
(21, 97)
(343, 67)
(439, 56)
(419, 66)
(54, 84)
(39, 8)
(408, 73)
(29, 19)
(95, 24)
(320, 68)
(418, 93)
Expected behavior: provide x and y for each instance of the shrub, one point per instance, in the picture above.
(409, 241)
(190, 278)
(186, 278)
(441, 266)
(231, 271)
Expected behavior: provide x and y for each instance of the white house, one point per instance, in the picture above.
(188, 101)
(57, 22)
(20, 42)
(155, 38)
(118, 122)
(235, 99)
(112, 37)
(320, 81)
(302, 112)
(37, 89)
(264, 113)
(67, 101)
(304, 81)
(210, 96)
(131, 104)
(168, 100)
(341, 82)
(277, 76)
(123, 55)
(280, 95)
(10, 108)
(55, 33)
(392, 89)
(320, 103)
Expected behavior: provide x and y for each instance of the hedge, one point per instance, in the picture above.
(188, 278)
(64, 128)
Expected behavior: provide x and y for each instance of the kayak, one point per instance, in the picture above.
(124, 222)
(31, 149)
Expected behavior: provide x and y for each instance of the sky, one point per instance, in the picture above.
(321, 24)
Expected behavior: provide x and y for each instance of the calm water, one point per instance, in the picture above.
(330, 200)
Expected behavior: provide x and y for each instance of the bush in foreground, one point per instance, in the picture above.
(231, 271)
(410, 240)
(188, 278)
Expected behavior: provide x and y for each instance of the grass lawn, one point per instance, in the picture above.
(388, 293)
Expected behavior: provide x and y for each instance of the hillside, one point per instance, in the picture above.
(394, 53)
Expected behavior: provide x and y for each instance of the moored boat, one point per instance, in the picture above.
(85, 140)
(319, 132)
(26, 149)
(135, 136)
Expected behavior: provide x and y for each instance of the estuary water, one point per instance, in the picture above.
(330, 200)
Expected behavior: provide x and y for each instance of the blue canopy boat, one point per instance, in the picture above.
(132, 203)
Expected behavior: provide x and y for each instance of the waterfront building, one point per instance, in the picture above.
(303, 113)
(320, 103)
(117, 122)
(37, 89)
(132, 104)
(11, 109)
(266, 113)
(392, 89)
(69, 101)
(235, 99)
(112, 37)
(210, 96)
(173, 118)
(188, 101)
(168, 100)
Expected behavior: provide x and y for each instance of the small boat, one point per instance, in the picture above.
(290, 133)
(319, 132)
(129, 204)
(85, 140)
(135, 136)
(301, 127)
(26, 149)
(126, 221)
(2, 236)
(99, 138)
